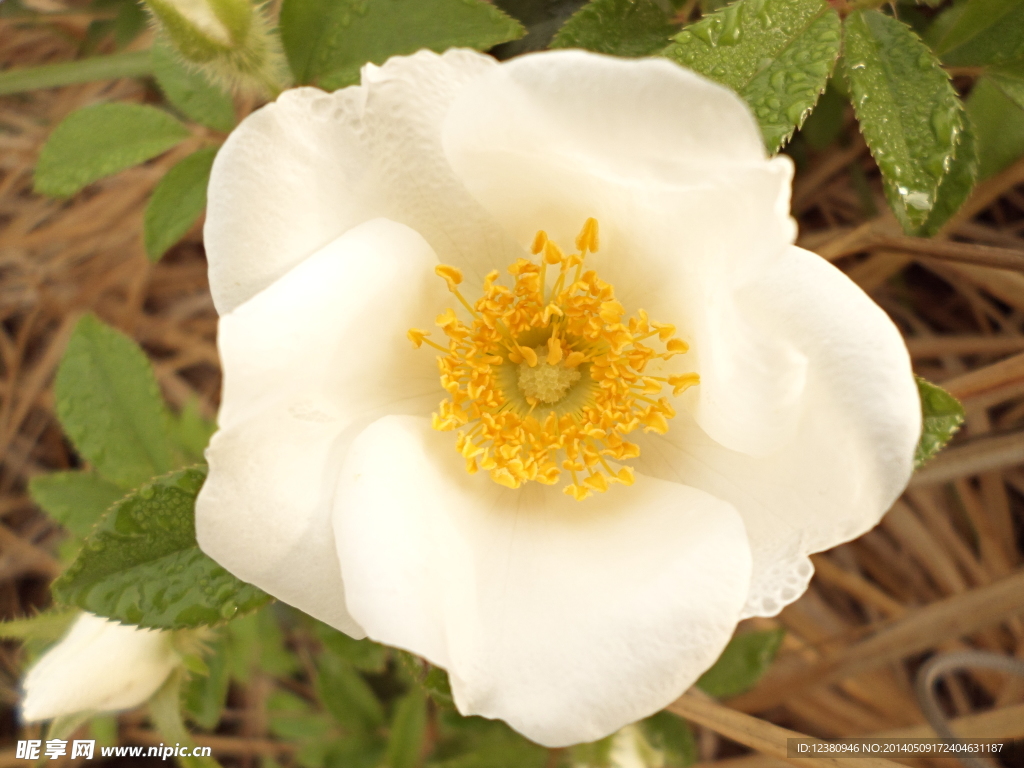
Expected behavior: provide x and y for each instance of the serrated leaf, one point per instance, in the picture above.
(777, 54)
(958, 182)
(984, 32)
(101, 140)
(347, 696)
(1009, 78)
(671, 736)
(825, 123)
(617, 27)
(142, 565)
(177, 201)
(941, 417)
(190, 91)
(999, 125)
(76, 500)
(48, 626)
(744, 660)
(909, 113)
(327, 41)
(110, 406)
(408, 729)
(205, 695)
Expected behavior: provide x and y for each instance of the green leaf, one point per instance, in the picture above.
(941, 417)
(408, 729)
(909, 113)
(177, 201)
(257, 643)
(76, 500)
(672, 737)
(49, 626)
(365, 655)
(984, 32)
(110, 406)
(165, 713)
(742, 663)
(189, 90)
(327, 41)
(1009, 78)
(777, 54)
(999, 125)
(191, 432)
(141, 565)
(958, 182)
(618, 28)
(473, 742)
(205, 695)
(117, 65)
(347, 696)
(101, 140)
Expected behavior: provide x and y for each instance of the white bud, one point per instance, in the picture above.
(99, 666)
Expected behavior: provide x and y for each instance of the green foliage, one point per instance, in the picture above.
(327, 41)
(190, 432)
(347, 696)
(999, 124)
(617, 27)
(909, 113)
(189, 91)
(165, 714)
(672, 737)
(744, 660)
(941, 416)
(110, 406)
(408, 730)
(983, 32)
(76, 500)
(205, 694)
(255, 641)
(473, 742)
(958, 182)
(141, 565)
(48, 626)
(777, 54)
(1009, 78)
(365, 655)
(177, 202)
(101, 140)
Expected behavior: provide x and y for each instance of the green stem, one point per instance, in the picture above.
(130, 64)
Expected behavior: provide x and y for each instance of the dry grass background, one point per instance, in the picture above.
(943, 571)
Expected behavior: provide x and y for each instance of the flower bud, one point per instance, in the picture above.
(229, 40)
(99, 666)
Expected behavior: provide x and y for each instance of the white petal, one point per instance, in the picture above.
(852, 453)
(298, 173)
(308, 362)
(673, 168)
(99, 666)
(566, 619)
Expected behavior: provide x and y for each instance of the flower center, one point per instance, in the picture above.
(544, 380)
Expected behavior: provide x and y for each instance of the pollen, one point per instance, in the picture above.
(546, 379)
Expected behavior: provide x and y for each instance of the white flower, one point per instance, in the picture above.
(328, 216)
(99, 666)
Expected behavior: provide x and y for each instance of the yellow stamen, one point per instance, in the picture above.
(542, 381)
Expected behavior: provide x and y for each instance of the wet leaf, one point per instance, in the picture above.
(142, 565)
(777, 54)
(617, 27)
(941, 415)
(909, 113)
